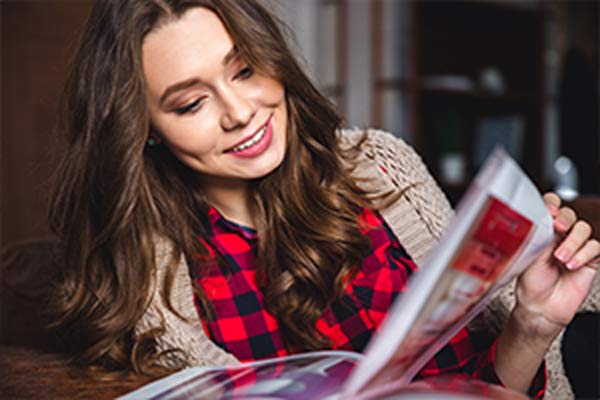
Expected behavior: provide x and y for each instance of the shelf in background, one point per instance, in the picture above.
(480, 94)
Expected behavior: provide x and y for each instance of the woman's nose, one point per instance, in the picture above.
(238, 109)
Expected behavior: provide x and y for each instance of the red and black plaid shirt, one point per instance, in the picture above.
(241, 325)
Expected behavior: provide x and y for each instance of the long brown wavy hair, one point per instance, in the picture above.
(114, 196)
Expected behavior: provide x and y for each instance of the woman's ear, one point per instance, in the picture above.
(153, 138)
(151, 141)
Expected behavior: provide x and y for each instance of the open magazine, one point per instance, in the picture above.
(500, 226)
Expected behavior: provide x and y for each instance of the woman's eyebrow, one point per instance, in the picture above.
(231, 54)
(176, 88)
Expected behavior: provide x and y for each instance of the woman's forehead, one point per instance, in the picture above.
(192, 45)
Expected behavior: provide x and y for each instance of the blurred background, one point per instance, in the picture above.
(453, 78)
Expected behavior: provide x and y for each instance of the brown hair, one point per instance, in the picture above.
(114, 196)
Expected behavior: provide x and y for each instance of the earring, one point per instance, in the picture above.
(150, 142)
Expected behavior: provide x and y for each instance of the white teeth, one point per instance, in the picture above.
(252, 141)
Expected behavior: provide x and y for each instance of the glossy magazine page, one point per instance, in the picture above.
(500, 226)
(317, 375)
(452, 387)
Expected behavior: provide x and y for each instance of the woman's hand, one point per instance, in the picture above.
(549, 293)
(551, 290)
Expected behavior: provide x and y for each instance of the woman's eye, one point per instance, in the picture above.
(189, 108)
(244, 73)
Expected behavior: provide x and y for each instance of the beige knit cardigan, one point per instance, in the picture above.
(417, 218)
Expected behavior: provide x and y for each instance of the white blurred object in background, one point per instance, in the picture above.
(565, 178)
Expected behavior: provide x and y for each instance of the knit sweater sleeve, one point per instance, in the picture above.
(420, 215)
(185, 335)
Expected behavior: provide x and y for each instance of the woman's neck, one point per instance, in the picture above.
(232, 200)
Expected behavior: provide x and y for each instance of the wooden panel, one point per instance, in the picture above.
(37, 40)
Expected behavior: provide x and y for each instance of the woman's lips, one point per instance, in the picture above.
(255, 145)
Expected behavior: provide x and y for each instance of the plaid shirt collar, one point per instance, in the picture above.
(215, 218)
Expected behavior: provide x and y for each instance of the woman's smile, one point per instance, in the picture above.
(256, 144)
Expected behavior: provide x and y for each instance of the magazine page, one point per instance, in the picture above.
(500, 226)
(316, 375)
(452, 387)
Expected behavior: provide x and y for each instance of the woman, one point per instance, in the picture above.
(190, 123)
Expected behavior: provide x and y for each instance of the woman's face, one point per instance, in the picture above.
(214, 113)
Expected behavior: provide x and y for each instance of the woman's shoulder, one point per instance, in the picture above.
(370, 136)
(387, 164)
(386, 153)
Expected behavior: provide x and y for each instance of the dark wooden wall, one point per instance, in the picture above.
(38, 38)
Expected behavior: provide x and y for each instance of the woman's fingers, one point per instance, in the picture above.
(568, 252)
(572, 242)
(552, 202)
(577, 247)
(564, 219)
(588, 255)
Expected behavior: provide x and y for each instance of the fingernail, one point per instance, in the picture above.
(562, 255)
(562, 223)
(572, 264)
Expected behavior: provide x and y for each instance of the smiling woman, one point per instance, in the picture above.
(201, 156)
(211, 109)
(162, 108)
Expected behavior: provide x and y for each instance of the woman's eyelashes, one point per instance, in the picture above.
(189, 108)
(245, 73)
